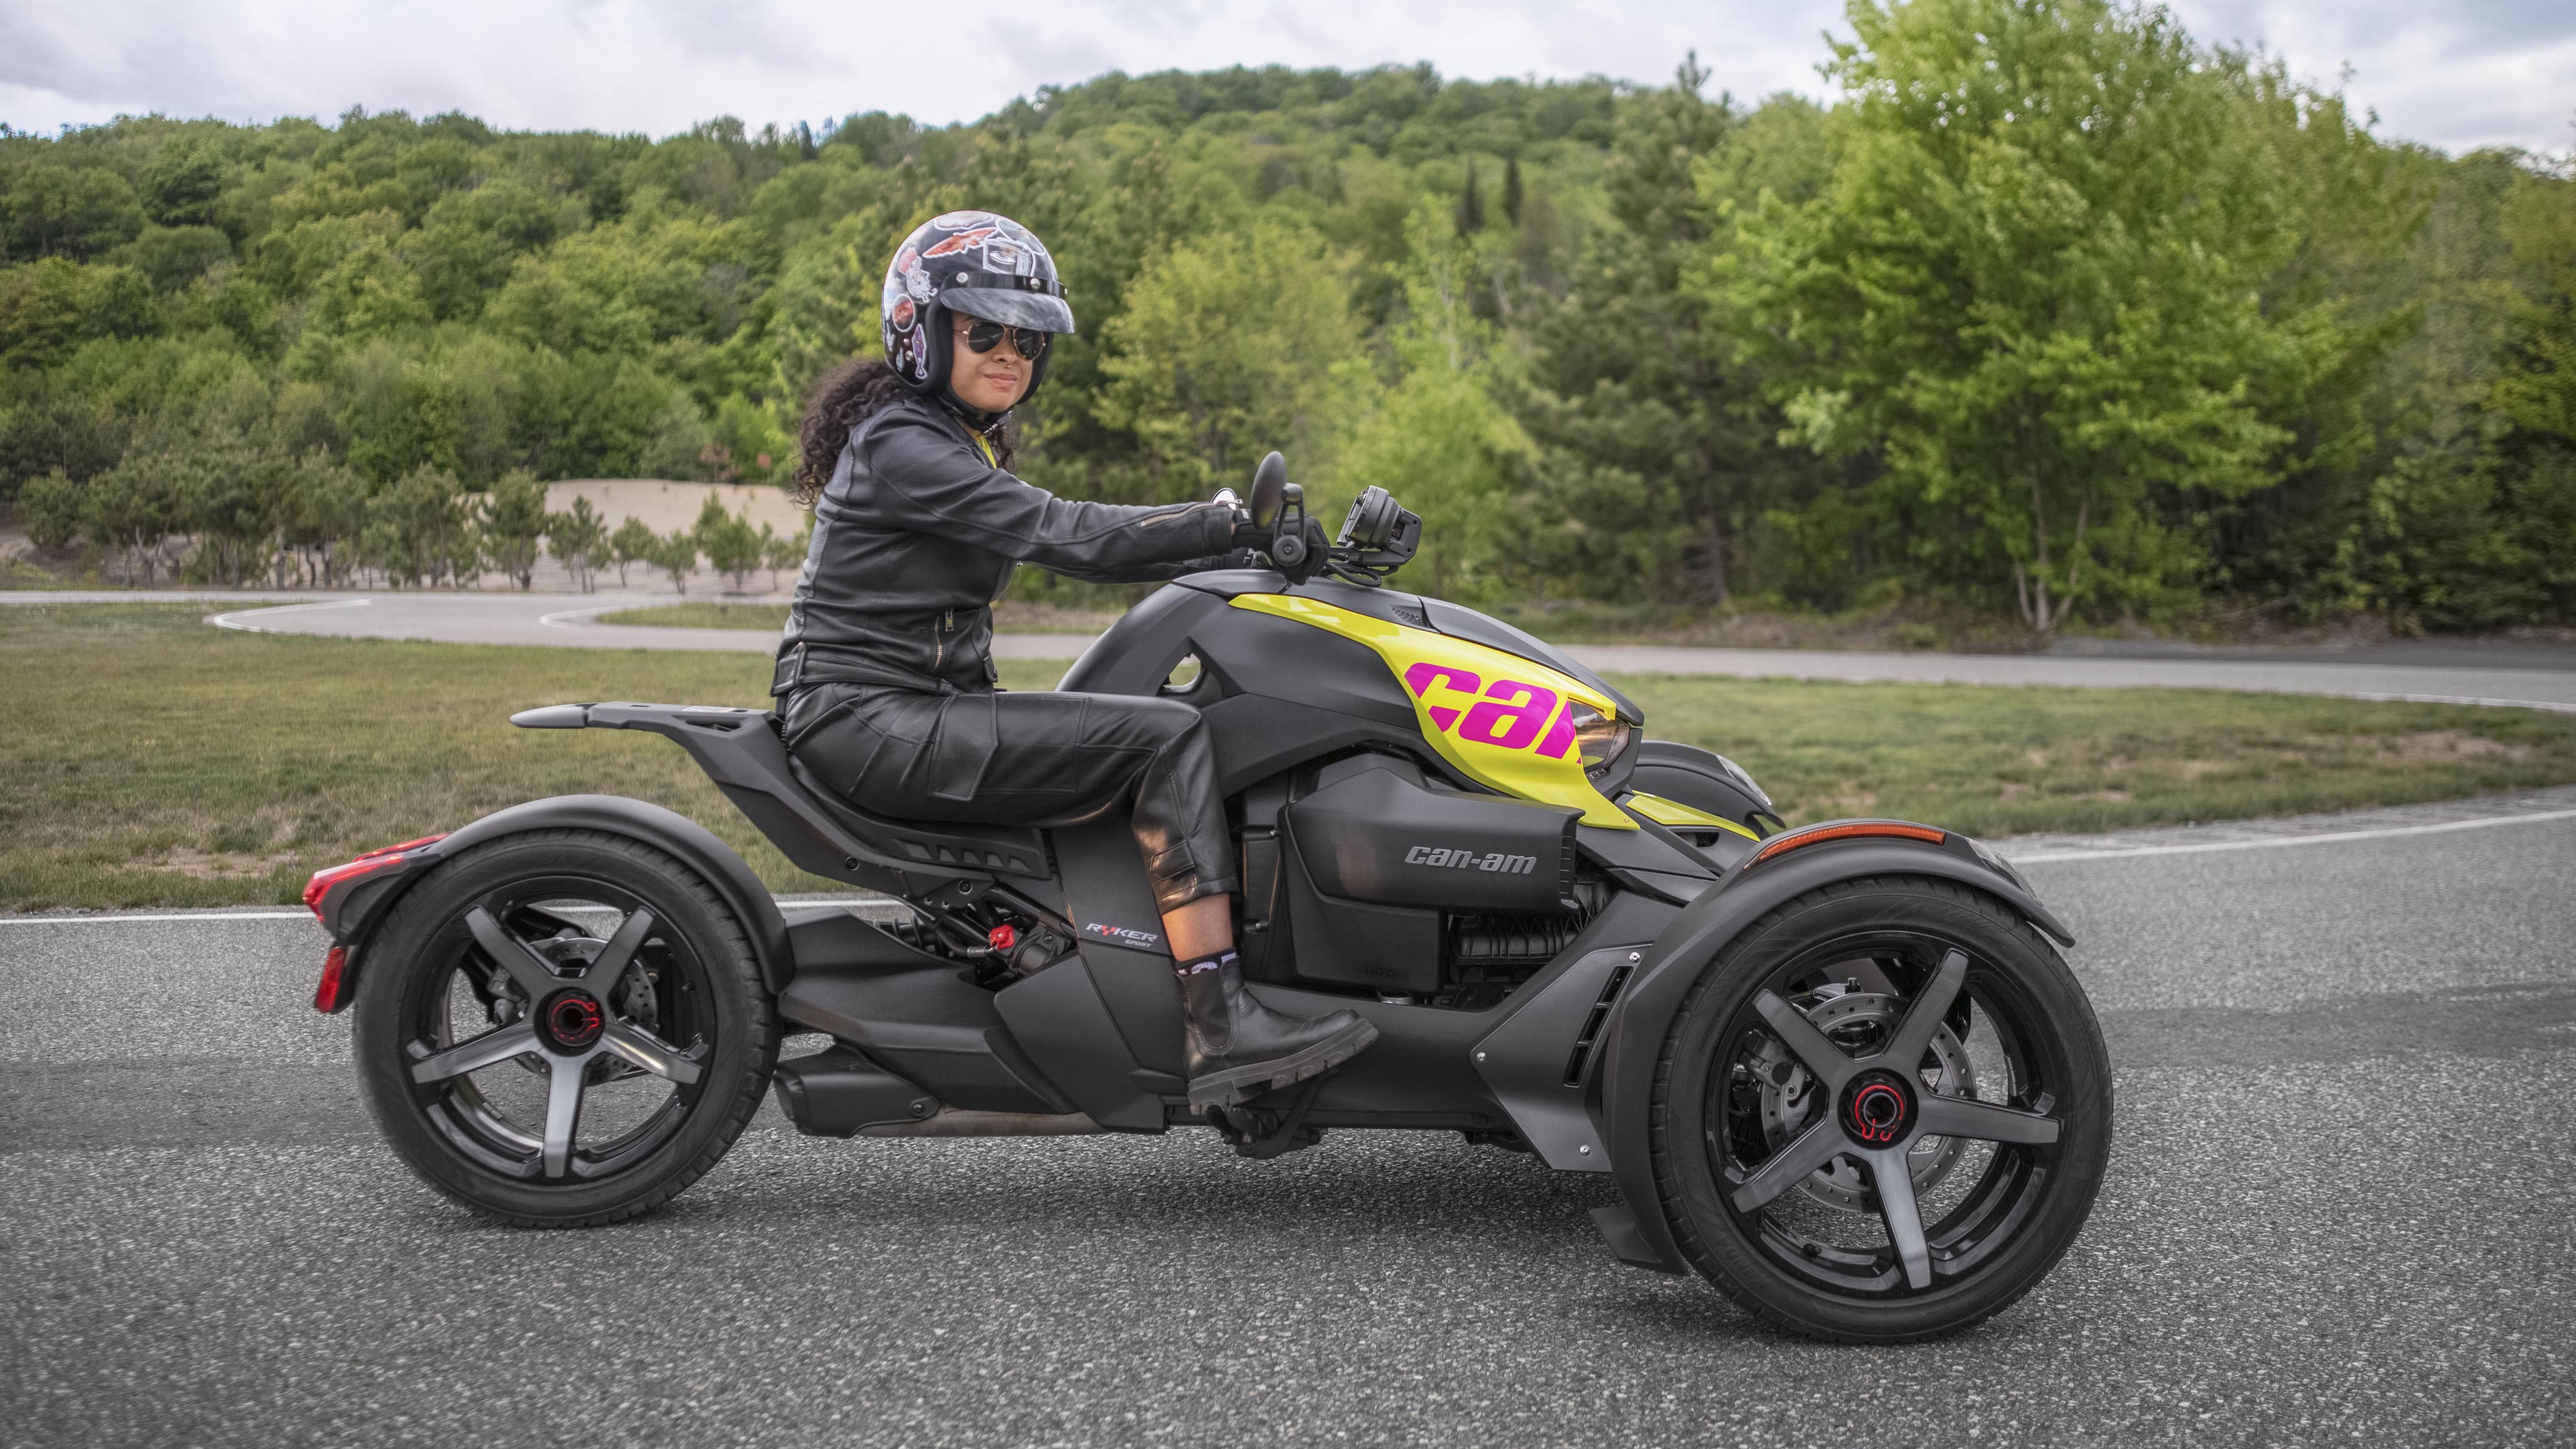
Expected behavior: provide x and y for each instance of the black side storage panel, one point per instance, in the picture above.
(1369, 860)
(1376, 835)
(1393, 948)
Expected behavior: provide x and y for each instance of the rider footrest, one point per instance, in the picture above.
(1269, 1132)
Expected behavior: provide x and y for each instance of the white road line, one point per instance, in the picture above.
(2047, 857)
(559, 618)
(233, 619)
(2470, 699)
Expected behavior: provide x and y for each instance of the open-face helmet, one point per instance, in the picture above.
(975, 262)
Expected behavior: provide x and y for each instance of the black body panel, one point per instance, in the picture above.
(1695, 777)
(1541, 1059)
(676, 835)
(1061, 1020)
(914, 1014)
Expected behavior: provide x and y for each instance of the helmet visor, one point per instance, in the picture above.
(1017, 309)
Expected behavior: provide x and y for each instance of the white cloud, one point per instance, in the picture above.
(2500, 72)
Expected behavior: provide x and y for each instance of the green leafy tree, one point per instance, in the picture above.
(579, 540)
(780, 554)
(184, 183)
(1439, 439)
(676, 554)
(171, 257)
(632, 543)
(513, 523)
(69, 211)
(2031, 288)
(51, 307)
(729, 542)
(1656, 450)
(420, 530)
(132, 511)
(1230, 346)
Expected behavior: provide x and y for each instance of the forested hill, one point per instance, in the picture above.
(2054, 313)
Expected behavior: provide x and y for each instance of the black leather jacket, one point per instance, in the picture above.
(916, 535)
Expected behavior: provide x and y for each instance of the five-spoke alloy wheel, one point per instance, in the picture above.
(1883, 1112)
(562, 1028)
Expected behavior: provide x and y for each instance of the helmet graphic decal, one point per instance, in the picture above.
(960, 242)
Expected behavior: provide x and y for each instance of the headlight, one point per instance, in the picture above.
(1598, 738)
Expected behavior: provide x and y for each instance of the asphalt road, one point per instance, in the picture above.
(2337, 1213)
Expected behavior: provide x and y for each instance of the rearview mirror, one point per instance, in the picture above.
(1269, 486)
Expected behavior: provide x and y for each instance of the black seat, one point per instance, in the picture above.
(1014, 848)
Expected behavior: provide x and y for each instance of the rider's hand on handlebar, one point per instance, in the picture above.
(1313, 561)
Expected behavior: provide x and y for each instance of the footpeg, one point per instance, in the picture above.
(1266, 1133)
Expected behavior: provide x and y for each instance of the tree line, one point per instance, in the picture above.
(233, 514)
(2054, 312)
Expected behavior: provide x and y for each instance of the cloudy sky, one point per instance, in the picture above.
(2458, 75)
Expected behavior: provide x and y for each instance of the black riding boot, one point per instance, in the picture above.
(1239, 1048)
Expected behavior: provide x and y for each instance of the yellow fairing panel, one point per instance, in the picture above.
(1674, 813)
(1501, 719)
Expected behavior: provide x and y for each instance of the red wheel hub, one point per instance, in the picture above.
(571, 1020)
(1877, 1109)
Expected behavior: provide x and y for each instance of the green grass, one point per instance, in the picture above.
(2003, 760)
(1008, 616)
(154, 761)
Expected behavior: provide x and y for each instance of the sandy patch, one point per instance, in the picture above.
(214, 864)
(2442, 747)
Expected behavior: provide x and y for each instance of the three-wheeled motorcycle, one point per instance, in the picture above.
(1840, 1070)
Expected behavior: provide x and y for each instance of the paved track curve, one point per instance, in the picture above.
(2337, 1213)
(2532, 676)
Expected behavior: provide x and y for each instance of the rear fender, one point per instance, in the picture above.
(353, 921)
(1635, 1033)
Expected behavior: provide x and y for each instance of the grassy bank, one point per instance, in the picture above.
(155, 761)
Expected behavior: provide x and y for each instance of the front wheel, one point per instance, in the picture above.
(562, 1028)
(1882, 1113)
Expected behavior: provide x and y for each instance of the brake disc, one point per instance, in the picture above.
(1857, 1021)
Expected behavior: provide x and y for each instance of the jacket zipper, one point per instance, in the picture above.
(939, 638)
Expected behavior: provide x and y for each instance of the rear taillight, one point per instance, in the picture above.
(334, 992)
(374, 860)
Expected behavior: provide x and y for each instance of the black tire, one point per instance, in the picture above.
(1852, 959)
(687, 994)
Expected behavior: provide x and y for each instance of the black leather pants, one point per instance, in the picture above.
(1037, 758)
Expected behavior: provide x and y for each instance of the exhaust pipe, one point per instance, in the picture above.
(840, 1093)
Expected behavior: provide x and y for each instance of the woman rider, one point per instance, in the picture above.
(886, 668)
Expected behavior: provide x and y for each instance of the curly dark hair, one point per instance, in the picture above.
(847, 396)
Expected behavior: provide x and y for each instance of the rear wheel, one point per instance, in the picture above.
(1883, 1112)
(562, 1028)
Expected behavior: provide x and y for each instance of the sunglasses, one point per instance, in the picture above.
(1028, 342)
